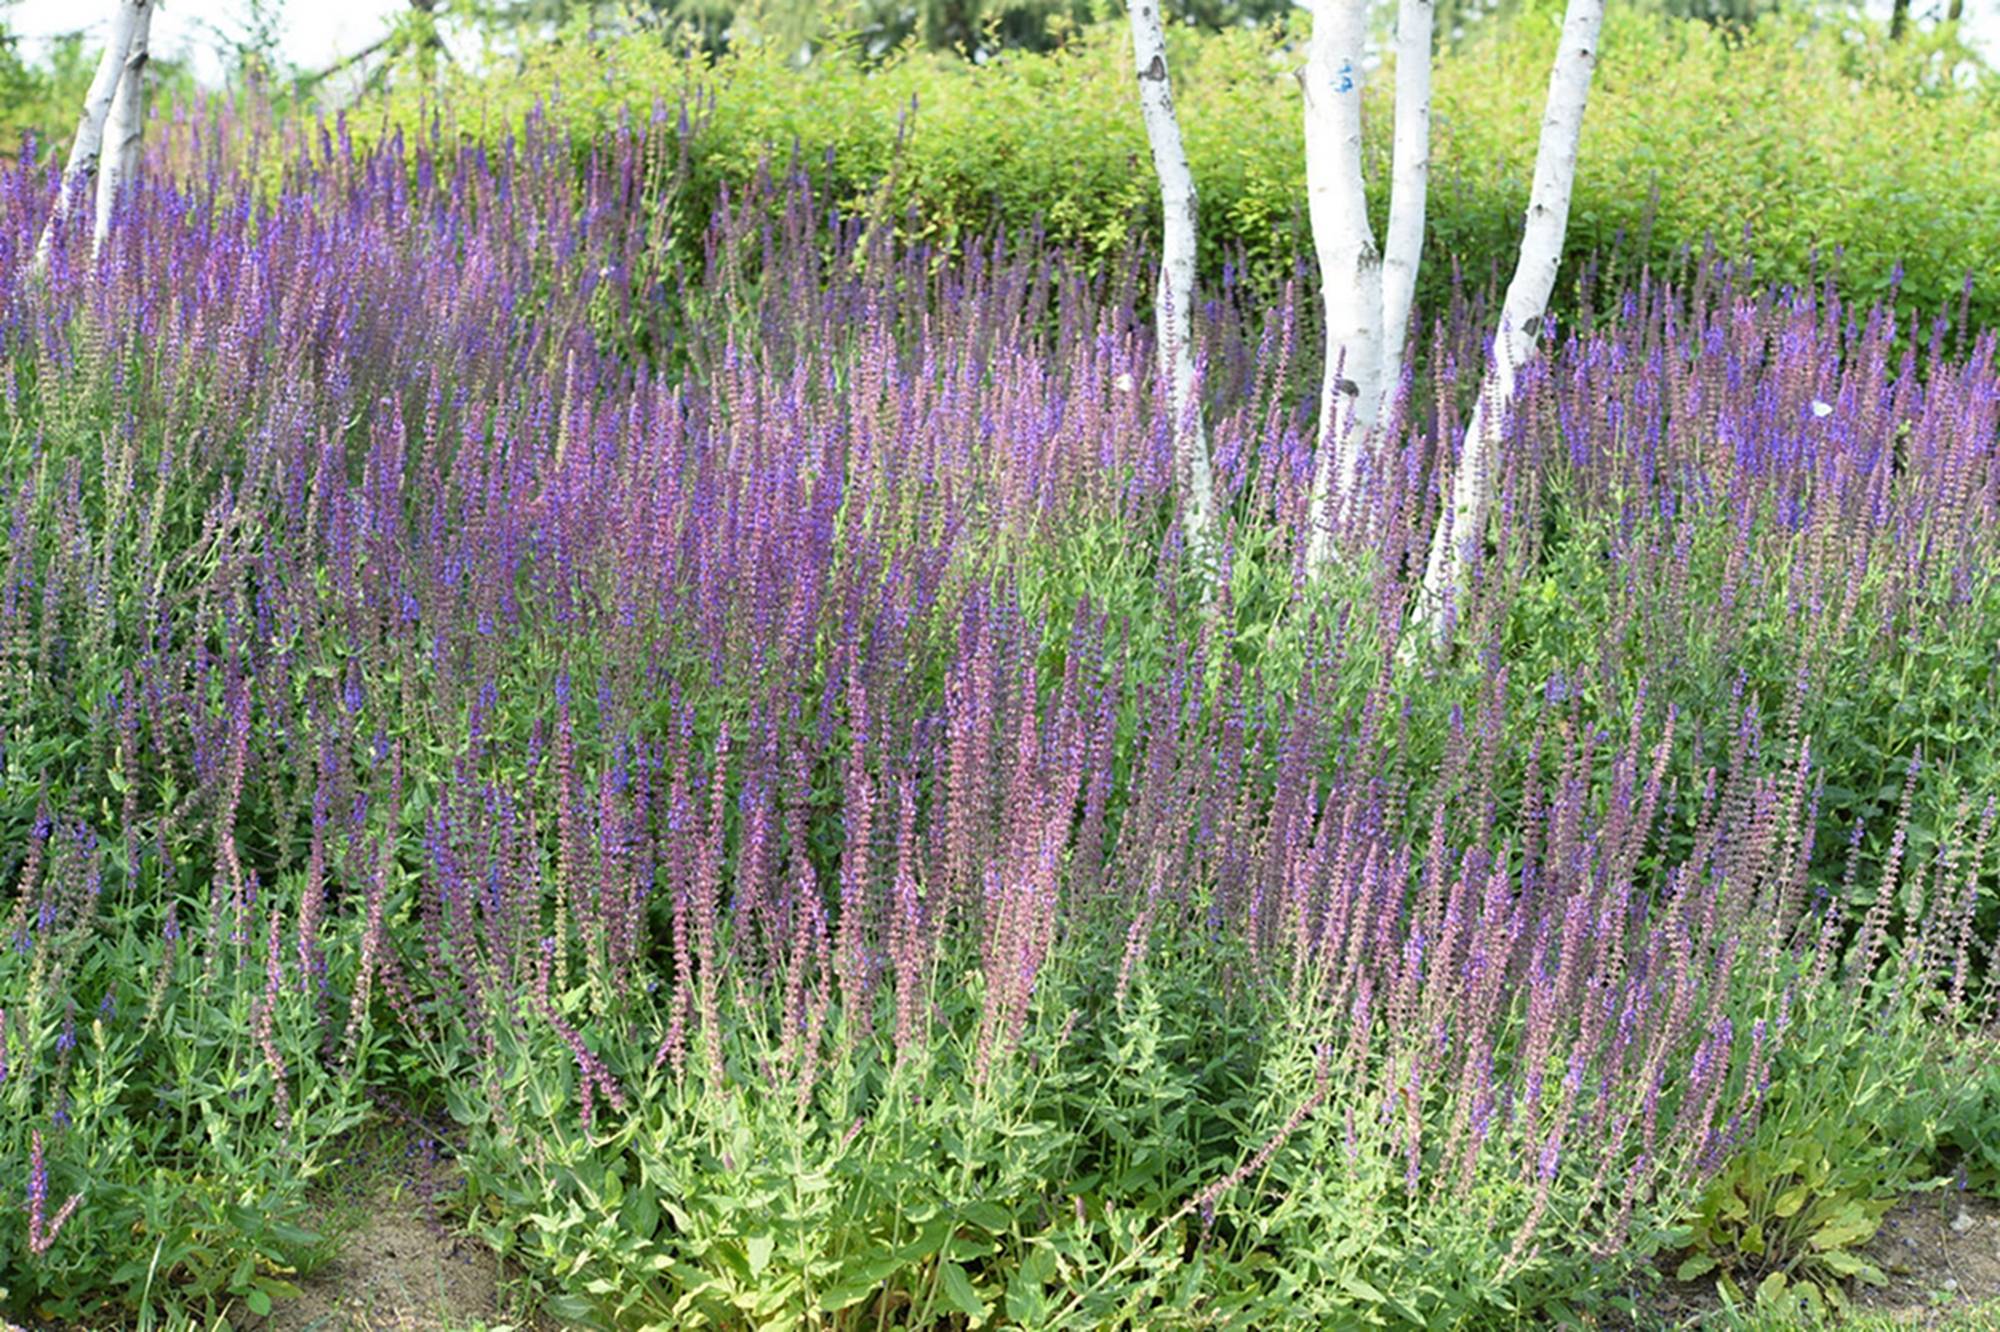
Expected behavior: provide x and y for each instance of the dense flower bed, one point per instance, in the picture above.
(795, 806)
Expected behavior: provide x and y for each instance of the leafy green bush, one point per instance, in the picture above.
(1860, 1090)
(930, 1191)
(1156, 1154)
(167, 1107)
(1970, 1135)
(1807, 149)
(42, 97)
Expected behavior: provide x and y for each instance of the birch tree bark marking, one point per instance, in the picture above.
(1174, 312)
(1410, 184)
(88, 141)
(125, 123)
(1350, 266)
(1464, 520)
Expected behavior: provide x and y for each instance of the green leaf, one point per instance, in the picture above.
(930, 1241)
(758, 1248)
(845, 1295)
(965, 1249)
(259, 1302)
(1360, 1289)
(987, 1216)
(958, 1293)
(457, 1106)
(641, 1214)
(859, 1282)
(1842, 1263)
(1696, 1267)
(1850, 1225)
(572, 1308)
(1771, 1289)
(1024, 1289)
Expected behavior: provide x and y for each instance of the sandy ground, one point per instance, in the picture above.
(402, 1265)
(399, 1271)
(1941, 1253)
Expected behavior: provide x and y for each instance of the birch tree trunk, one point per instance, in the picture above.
(88, 140)
(1410, 183)
(1462, 526)
(124, 124)
(1350, 267)
(1174, 306)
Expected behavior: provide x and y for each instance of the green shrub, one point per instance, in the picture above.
(1811, 137)
(1807, 149)
(173, 1093)
(1859, 1093)
(1970, 1135)
(920, 1193)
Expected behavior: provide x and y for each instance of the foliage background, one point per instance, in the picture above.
(1805, 144)
(1808, 148)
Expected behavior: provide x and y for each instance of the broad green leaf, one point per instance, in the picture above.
(860, 1281)
(573, 1308)
(1024, 1288)
(930, 1241)
(1360, 1289)
(1693, 1268)
(642, 1214)
(1849, 1226)
(846, 1295)
(958, 1293)
(1847, 1264)
(987, 1216)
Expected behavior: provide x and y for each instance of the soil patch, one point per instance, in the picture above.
(1941, 1253)
(402, 1266)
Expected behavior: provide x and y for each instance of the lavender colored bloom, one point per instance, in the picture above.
(731, 655)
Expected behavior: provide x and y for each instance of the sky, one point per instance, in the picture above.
(318, 32)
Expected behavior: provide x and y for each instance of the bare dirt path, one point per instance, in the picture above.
(402, 1265)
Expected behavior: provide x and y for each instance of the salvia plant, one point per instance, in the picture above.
(736, 730)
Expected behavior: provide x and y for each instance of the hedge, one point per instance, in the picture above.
(1807, 148)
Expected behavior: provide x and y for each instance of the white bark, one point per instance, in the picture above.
(1350, 266)
(1174, 313)
(88, 140)
(1411, 174)
(124, 124)
(1464, 522)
